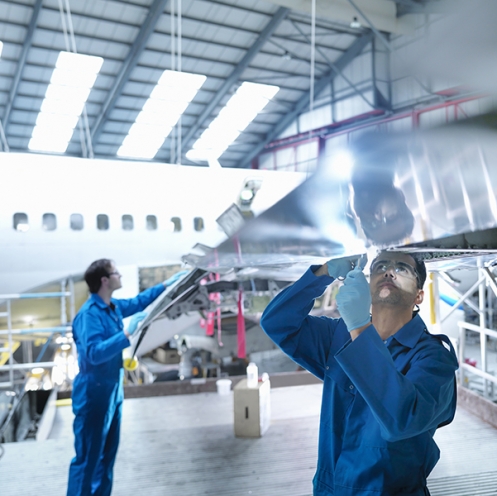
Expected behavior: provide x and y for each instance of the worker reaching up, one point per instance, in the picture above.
(97, 393)
(388, 382)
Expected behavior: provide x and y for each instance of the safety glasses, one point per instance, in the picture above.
(400, 268)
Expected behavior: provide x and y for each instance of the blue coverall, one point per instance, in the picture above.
(97, 393)
(382, 401)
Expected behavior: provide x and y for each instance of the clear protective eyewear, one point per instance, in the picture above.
(115, 273)
(400, 268)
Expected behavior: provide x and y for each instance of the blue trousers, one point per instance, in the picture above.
(97, 406)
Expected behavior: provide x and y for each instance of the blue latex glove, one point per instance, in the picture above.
(340, 267)
(173, 279)
(354, 300)
(135, 320)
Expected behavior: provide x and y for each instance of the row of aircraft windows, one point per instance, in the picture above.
(76, 221)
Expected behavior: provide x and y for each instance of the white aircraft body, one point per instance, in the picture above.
(58, 214)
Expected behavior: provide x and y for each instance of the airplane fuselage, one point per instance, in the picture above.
(58, 214)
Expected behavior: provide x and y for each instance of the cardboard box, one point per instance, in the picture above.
(166, 356)
(252, 409)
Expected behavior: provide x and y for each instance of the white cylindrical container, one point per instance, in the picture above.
(252, 375)
(223, 386)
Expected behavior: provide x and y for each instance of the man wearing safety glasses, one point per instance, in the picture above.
(388, 382)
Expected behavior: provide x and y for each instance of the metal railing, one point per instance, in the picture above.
(486, 286)
(6, 300)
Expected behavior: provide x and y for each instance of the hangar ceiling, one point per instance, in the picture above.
(228, 41)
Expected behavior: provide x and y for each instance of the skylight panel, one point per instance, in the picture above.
(242, 108)
(70, 85)
(160, 113)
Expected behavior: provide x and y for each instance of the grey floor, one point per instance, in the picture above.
(184, 445)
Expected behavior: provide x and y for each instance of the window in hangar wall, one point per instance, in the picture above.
(198, 224)
(151, 222)
(175, 224)
(21, 222)
(49, 222)
(102, 222)
(77, 222)
(127, 222)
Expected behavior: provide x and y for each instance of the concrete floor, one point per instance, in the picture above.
(184, 445)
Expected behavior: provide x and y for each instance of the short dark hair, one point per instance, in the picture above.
(95, 272)
(420, 269)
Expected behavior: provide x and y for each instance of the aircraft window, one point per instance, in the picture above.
(127, 222)
(21, 222)
(151, 222)
(102, 222)
(198, 223)
(49, 222)
(175, 224)
(76, 222)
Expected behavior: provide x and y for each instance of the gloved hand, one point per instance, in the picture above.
(173, 279)
(135, 320)
(340, 267)
(354, 300)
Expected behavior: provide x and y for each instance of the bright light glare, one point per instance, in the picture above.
(70, 85)
(37, 371)
(246, 194)
(241, 109)
(160, 113)
(1, 48)
(342, 163)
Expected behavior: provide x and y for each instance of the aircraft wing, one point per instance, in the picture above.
(432, 192)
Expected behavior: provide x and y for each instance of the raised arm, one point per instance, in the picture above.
(286, 320)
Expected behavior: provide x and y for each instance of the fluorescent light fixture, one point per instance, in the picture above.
(1, 48)
(160, 113)
(242, 108)
(70, 85)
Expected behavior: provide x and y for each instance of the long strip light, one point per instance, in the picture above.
(70, 85)
(242, 108)
(1, 48)
(168, 100)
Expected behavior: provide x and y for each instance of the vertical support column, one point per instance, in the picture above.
(462, 350)
(434, 303)
(11, 356)
(380, 76)
(63, 309)
(483, 337)
(72, 305)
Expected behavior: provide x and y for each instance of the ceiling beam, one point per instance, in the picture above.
(22, 63)
(129, 64)
(382, 13)
(270, 28)
(303, 103)
(424, 7)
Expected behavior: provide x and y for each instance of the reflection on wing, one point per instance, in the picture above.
(433, 188)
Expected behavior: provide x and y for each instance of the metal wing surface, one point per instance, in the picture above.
(432, 191)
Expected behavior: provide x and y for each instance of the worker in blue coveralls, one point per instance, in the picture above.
(388, 382)
(97, 393)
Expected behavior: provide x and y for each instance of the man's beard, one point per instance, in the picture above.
(395, 297)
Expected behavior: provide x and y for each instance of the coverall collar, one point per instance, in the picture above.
(95, 298)
(410, 334)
